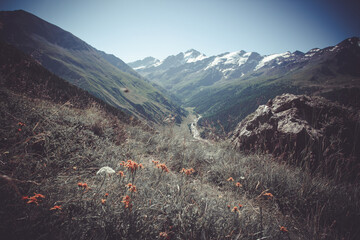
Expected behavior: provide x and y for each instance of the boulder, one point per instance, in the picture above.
(307, 130)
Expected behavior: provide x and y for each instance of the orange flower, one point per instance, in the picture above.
(25, 198)
(34, 199)
(56, 207)
(164, 235)
(103, 201)
(121, 173)
(238, 184)
(228, 206)
(235, 209)
(83, 185)
(106, 195)
(240, 205)
(131, 165)
(230, 179)
(132, 188)
(38, 195)
(141, 166)
(268, 195)
(126, 200)
(187, 171)
(283, 229)
(155, 162)
(163, 167)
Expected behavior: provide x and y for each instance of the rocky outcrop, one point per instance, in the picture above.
(309, 131)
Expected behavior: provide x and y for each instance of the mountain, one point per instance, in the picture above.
(103, 75)
(229, 86)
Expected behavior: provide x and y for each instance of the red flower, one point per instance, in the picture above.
(230, 179)
(283, 229)
(238, 184)
(103, 201)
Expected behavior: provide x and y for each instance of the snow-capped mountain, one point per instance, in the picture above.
(187, 72)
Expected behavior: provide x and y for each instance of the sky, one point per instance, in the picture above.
(135, 29)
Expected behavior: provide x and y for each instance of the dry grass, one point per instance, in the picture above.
(60, 146)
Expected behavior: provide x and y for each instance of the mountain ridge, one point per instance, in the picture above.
(101, 74)
(232, 85)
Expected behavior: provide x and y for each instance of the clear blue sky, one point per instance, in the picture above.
(134, 29)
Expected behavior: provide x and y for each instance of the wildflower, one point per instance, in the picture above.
(238, 184)
(82, 185)
(228, 206)
(38, 195)
(268, 195)
(56, 207)
(141, 166)
(163, 167)
(230, 179)
(19, 129)
(240, 205)
(34, 199)
(132, 188)
(106, 195)
(121, 173)
(103, 201)
(235, 209)
(126, 200)
(164, 235)
(155, 162)
(187, 171)
(283, 229)
(21, 124)
(131, 165)
(25, 198)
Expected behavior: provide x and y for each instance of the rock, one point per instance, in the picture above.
(105, 170)
(311, 131)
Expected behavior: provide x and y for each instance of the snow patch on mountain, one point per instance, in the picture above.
(271, 57)
(234, 58)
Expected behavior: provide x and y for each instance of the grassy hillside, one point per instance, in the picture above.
(59, 146)
(102, 75)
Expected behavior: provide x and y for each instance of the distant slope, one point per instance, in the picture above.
(103, 75)
(24, 76)
(230, 86)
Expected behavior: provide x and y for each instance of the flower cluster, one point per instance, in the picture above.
(236, 208)
(131, 165)
(82, 185)
(132, 187)
(126, 200)
(34, 199)
(161, 166)
(187, 171)
(121, 173)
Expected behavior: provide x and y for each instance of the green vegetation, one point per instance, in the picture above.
(50, 148)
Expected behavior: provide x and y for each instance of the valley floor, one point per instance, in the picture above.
(184, 188)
